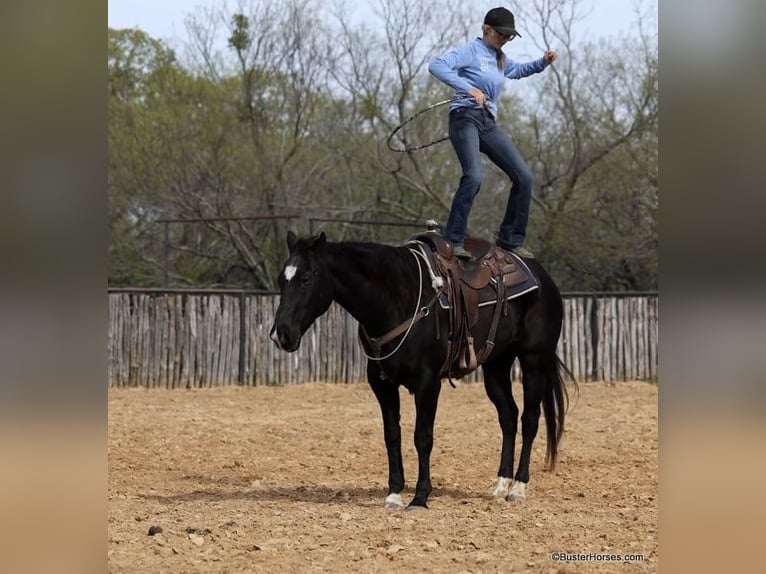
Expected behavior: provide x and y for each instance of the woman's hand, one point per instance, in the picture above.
(477, 95)
(550, 56)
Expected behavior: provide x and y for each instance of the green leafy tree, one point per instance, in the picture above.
(285, 107)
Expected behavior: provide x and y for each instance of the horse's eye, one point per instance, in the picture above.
(306, 280)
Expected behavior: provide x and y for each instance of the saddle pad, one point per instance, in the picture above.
(488, 295)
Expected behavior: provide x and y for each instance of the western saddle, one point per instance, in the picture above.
(492, 276)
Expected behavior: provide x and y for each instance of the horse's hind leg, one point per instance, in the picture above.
(534, 381)
(387, 393)
(497, 383)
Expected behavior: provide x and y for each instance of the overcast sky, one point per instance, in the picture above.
(164, 19)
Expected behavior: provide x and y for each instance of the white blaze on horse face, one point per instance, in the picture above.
(290, 272)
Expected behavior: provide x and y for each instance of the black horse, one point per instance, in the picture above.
(378, 285)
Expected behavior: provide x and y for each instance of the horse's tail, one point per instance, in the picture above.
(555, 405)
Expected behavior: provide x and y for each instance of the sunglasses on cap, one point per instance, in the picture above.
(507, 37)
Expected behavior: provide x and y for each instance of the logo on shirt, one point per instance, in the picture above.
(484, 63)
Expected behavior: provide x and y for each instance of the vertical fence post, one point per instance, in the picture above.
(242, 323)
(594, 338)
(166, 253)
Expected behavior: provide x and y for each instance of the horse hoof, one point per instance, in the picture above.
(393, 501)
(503, 487)
(416, 507)
(518, 492)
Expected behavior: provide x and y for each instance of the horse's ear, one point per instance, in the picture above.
(319, 241)
(291, 240)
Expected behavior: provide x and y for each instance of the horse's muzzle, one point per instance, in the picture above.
(282, 339)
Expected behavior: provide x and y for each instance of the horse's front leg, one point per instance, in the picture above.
(387, 393)
(426, 401)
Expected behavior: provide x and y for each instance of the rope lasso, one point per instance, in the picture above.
(408, 120)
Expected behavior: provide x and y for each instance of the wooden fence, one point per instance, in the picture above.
(188, 339)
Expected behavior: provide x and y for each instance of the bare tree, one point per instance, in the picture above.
(285, 107)
(383, 72)
(277, 78)
(597, 115)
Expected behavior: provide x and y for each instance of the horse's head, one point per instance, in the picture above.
(305, 287)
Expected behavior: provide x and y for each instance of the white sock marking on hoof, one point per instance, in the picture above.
(518, 491)
(393, 501)
(503, 487)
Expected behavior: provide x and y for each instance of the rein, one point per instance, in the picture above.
(376, 343)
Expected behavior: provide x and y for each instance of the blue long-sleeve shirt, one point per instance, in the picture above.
(474, 65)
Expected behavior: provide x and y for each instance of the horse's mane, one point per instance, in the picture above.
(385, 264)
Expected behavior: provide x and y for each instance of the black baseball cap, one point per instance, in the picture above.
(502, 20)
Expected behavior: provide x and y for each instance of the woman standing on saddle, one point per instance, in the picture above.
(476, 72)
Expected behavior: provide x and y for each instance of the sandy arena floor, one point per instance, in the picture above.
(292, 479)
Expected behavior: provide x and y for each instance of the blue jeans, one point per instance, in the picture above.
(472, 131)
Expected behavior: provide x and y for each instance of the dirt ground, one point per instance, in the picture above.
(292, 479)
